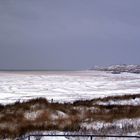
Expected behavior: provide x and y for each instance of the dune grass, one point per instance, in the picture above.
(38, 114)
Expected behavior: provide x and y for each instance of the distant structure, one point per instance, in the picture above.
(117, 69)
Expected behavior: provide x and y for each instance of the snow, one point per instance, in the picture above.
(62, 114)
(32, 115)
(65, 86)
(135, 101)
(50, 138)
(68, 87)
(82, 138)
(97, 125)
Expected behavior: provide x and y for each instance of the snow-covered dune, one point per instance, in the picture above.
(65, 86)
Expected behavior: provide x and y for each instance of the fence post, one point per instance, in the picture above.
(90, 137)
(29, 137)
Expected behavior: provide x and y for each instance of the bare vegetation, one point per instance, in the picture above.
(38, 115)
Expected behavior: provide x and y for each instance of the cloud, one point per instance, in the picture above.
(68, 34)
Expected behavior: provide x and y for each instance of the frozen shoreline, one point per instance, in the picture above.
(65, 86)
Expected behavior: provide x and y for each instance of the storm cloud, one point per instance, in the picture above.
(74, 34)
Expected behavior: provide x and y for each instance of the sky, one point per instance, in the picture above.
(68, 34)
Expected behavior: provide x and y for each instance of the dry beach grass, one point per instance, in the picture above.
(38, 115)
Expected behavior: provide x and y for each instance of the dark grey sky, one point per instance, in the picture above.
(68, 34)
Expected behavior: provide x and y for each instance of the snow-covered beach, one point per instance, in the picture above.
(96, 115)
(65, 86)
